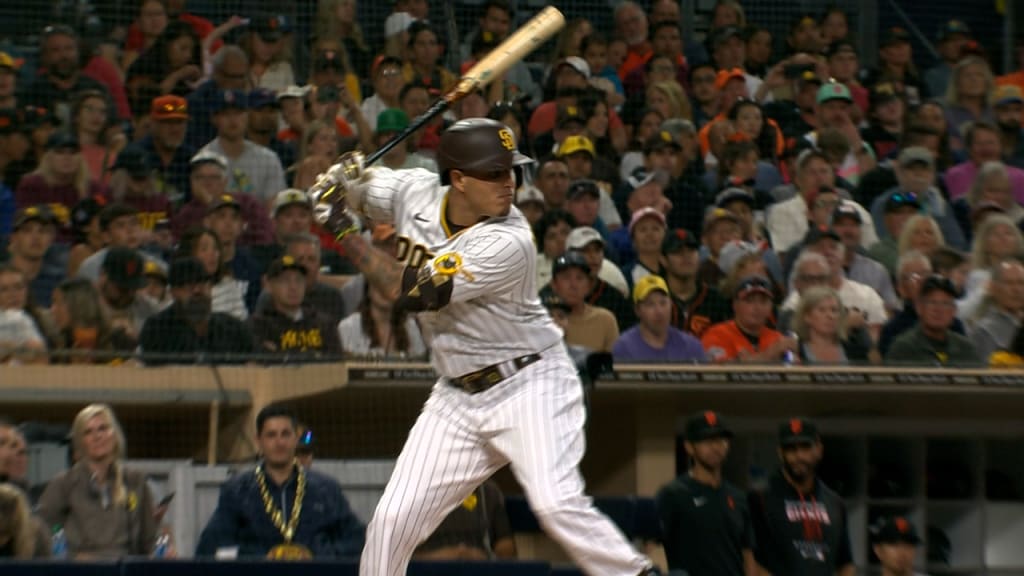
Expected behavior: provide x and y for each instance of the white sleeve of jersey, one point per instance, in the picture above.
(387, 189)
(491, 263)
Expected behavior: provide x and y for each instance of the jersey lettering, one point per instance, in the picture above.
(301, 340)
(412, 255)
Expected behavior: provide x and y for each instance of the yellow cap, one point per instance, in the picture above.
(575, 144)
(646, 285)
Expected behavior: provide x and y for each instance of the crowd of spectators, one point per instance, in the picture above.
(686, 195)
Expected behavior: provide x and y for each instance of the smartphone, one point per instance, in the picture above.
(794, 71)
(165, 500)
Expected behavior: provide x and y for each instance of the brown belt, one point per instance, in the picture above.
(486, 378)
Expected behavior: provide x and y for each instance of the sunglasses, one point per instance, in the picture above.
(905, 198)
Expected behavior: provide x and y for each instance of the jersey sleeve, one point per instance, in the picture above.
(491, 263)
(388, 189)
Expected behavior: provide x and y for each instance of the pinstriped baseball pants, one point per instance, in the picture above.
(533, 420)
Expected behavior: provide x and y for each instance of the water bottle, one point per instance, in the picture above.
(163, 544)
(60, 542)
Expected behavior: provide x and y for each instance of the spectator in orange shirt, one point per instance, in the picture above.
(746, 338)
(631, 26)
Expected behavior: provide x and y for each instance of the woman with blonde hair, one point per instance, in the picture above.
(337, 19)
(268, 47)
(22, 536)
(967, 97)
(105, 509)
(820, 323)
(61, 179)
(998, 239)
(669, 98)
(922, 233)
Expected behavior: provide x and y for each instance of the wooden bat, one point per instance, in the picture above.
(538, 30)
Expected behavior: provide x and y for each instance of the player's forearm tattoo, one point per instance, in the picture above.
(381, 269)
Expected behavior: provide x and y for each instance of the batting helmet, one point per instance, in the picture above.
(478, 145)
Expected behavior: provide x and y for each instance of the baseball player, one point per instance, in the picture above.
(508, 392)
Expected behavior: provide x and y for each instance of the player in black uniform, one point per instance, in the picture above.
(705, 522)
(800, 523)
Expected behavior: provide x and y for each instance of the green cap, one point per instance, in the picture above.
(392, 120)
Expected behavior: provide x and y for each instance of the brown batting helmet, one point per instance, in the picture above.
(478, 145)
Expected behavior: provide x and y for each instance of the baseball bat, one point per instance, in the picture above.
(516, 47)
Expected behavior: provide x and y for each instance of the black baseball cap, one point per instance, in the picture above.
(901, 200)
(570, 259)
(720, 35)
(187, 271)
(569, 115)
(284, 264)
(661, 140)
(882, 93)
(894, 35)
(134, 159)
(85, 210)
(62, 140)
(798, 431)
(937, 283)
(552, 301)
(894, 530)
(732, 194)
(839, 47)
(816, 234)
(678, 239)
(125, 267)
(271, 28)
(845, 210)
(579, 187)
(38, 213)
(706, 425)
(222, 201)
(113, 212)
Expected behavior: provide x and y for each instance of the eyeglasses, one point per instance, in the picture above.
(392, 72)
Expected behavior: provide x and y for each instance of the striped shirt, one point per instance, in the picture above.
(494, 313)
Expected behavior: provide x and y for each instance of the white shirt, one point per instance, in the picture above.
(854, 296)
(17, 329)
(494, 313)
(787, 223)
(355, 342)
(256, 171)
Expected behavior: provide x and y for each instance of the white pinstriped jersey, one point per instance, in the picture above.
(495, 313)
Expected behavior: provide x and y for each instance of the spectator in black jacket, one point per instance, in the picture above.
(287, 326)
(281, 510)
(188, 328)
